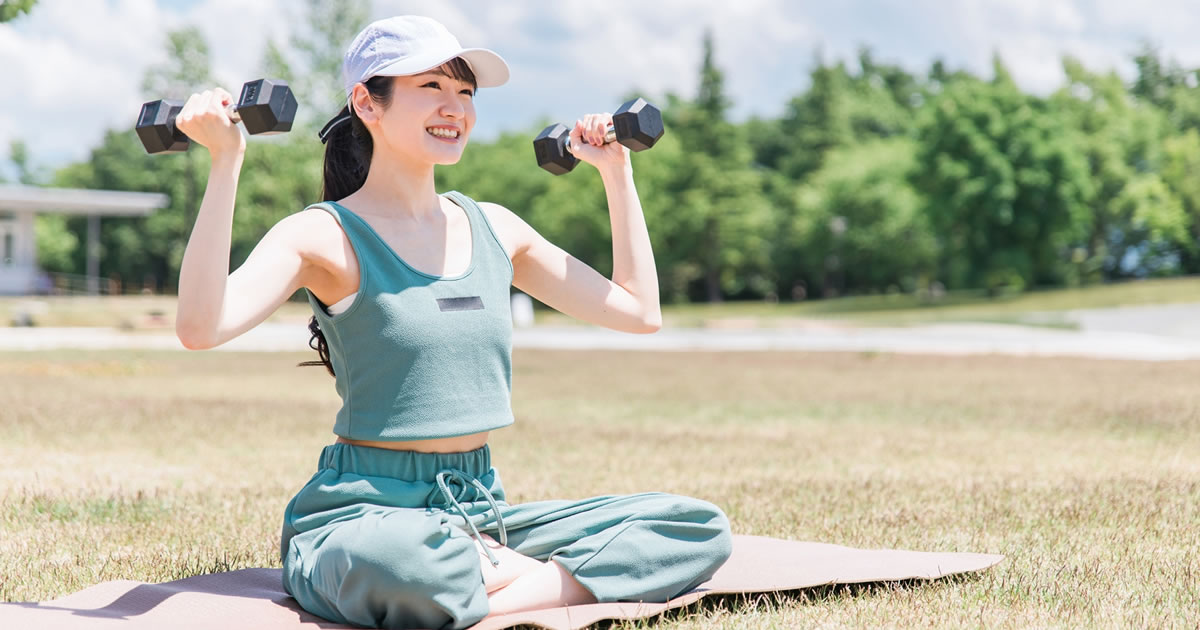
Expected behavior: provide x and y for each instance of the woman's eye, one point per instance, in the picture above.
(433, 83)
(470, 93)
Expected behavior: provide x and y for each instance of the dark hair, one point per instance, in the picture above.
(348, 149)
(317, 342)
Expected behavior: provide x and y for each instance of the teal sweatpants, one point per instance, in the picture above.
(383, 538)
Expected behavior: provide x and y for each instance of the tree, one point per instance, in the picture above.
(840, 109)
(12, 9)
(312, 64)
(1156, 227)
(1181, 164)
(859, 224)
(18, 153)
(1121, 138)
(722, 219)
(1006, 190)
(188, 68)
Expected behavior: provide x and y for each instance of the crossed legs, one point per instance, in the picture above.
(523, 583)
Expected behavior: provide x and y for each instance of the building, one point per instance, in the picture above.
(19, 274)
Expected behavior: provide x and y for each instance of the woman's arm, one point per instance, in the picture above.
(630, 301)
(633, 259)
(215, 306)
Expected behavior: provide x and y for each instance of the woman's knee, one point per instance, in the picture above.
(719, 544)
(693, 511)
(700, 524)
(710, 538)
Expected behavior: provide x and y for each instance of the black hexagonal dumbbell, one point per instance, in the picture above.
(636, 124)
(266, 106)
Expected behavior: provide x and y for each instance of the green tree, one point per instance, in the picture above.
(1006, 189)
(56, 244)
(840, 108)
(312, 61)
(1121, 137)
(12, 9)
(1181, 166)
(187, 69)
(18, 153)
(1155, 227)
(860, 225)
(722, 218)
(1168, 87)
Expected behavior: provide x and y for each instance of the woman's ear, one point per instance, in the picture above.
(360, 99)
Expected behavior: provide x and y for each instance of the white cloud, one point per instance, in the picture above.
(78, 66)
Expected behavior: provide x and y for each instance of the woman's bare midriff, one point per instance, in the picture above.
(457, 444)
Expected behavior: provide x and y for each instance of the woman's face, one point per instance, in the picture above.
(429, 119)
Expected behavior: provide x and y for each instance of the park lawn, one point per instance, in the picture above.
(1084, 474)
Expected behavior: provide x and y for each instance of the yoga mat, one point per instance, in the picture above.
(254, 598)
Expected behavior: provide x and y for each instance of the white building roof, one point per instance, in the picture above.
(79, 201)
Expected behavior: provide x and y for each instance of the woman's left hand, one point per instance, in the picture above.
(587, 143)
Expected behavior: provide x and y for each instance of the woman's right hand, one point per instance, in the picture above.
(204, 120)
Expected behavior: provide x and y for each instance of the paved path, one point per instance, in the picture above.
(1142, 333)
(1170, 320)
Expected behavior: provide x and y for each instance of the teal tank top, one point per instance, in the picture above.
(418, 356)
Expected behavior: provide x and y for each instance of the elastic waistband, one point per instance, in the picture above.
(405, 465)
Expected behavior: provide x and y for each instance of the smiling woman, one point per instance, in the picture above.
(348, 143)
(405, 522)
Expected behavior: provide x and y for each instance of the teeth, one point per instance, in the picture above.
(442, 133)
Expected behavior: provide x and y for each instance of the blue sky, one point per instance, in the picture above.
(77, 65)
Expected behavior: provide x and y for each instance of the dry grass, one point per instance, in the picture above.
(1086, 474)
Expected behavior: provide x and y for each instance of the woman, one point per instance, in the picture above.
(404, 523)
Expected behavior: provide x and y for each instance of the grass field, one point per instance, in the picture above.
(1085, 474)
(1041, 308)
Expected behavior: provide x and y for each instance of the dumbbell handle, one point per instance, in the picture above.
(231, 110)
(610, 135)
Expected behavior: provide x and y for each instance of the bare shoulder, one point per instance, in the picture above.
(329, 263)
(512, 230)
(315, 233)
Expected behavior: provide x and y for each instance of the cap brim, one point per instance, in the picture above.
(489, 68)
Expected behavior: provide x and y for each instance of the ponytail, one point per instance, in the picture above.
(348, 145)
(348, 149)
(317, 342)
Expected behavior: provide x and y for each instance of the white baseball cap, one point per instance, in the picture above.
(411, 44)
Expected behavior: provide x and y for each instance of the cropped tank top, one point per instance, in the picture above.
(418, 356)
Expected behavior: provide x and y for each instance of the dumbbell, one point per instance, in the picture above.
(636, 124)
(266, 106)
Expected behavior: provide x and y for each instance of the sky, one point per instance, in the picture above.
(73, 68)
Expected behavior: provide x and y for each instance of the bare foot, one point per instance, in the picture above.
(512, 564)
(550, 586)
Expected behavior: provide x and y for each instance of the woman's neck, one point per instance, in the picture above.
(397, 190)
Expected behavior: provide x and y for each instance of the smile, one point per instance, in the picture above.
(439, 132)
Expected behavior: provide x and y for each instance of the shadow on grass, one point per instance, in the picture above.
(777, 601)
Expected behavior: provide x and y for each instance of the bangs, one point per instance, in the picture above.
(458, 69)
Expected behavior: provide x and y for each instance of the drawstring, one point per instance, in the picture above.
(464, 478)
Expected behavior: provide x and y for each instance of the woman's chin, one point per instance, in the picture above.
(447, 153)
(447, 161)
(449, 156)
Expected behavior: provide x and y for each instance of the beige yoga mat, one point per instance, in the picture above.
(254, 598)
